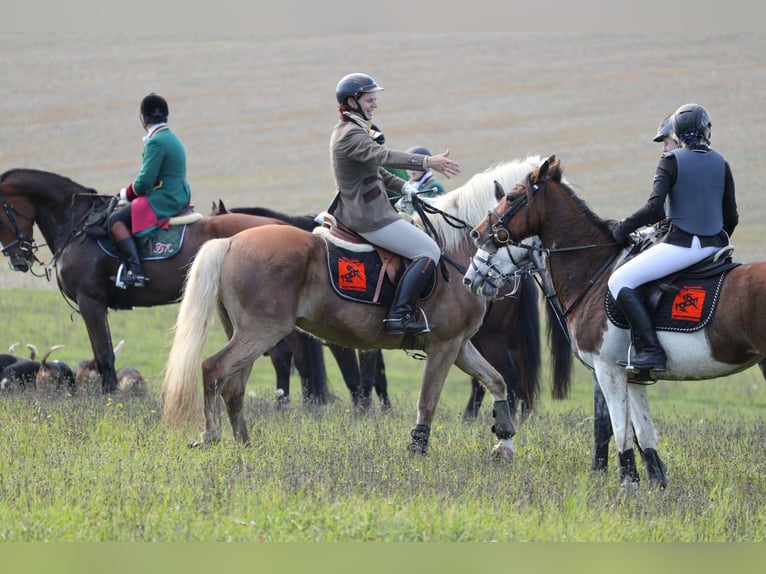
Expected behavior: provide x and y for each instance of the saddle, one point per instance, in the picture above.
(684, 301)
(159, 244)
(360, 271)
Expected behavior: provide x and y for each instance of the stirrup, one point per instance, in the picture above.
(632, 368)
(407, 324)
(125, 279)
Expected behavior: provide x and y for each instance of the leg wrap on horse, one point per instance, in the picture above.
(655, 468)
(420, 435)
(503, 427)
(628, 470)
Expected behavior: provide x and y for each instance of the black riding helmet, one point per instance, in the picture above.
(691, 123)
(354, 85)
(154, 109)
(664, 130)
(419, 149)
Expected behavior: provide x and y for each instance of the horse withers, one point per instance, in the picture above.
(581, 255)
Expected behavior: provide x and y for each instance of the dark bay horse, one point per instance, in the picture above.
(581, 255)
(514, 350)
(243, 275)
(83, 269)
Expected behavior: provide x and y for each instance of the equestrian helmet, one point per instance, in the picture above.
(691, 122)
(154, 108)
(354, 85)
(664, 130)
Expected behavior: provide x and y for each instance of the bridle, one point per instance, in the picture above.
(25, 245)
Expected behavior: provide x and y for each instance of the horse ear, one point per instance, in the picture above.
(499, 191)
(221, 207)
(539, 174)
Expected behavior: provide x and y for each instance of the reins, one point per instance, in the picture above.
(423, 208)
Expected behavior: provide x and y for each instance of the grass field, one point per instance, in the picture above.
(255, 114)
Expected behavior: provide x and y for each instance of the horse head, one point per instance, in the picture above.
(17, 220)
(488, 272)
(517, 215)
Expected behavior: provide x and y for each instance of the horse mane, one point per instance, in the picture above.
(556, 174)
(70, 185)
(471, 201)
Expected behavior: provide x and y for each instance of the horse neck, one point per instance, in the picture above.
(579, 249)
(52, 199)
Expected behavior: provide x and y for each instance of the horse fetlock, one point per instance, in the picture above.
(420, 435)
(503, 427)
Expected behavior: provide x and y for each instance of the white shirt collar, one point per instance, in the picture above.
(153, 128)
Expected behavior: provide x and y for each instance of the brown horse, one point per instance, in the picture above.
(83, 269)
(513, 349)
(243, 276)
(581, 254)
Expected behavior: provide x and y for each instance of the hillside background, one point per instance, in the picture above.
(255, 112)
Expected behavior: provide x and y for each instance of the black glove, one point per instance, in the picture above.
(620, 235)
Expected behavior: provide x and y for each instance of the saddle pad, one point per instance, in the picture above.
(359, 276)
(161, 244)
(688, 307)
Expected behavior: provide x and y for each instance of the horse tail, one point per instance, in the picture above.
(561, 354)
(529, 348)
(196, 315)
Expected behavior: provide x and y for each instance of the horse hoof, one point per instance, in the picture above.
(503, 451)
(417, 448)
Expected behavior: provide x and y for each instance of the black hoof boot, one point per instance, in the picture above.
(655, 468)
(628, 470)
(419, 444)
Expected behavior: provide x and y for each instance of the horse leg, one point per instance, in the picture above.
(349, 369)
(613, 382)
(233, 394)
(226, 372)
(646, 434)
(381, 382)
(475, 399)
(309, 361)
(281, 356)
(602, 429)
(470, 361)
(373, 376)
(94, 314)
(439, 359)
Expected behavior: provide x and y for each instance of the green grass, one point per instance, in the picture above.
(94, 468)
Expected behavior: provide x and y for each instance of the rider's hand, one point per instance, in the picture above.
(408, 190)
(123, 194)
(620, 235)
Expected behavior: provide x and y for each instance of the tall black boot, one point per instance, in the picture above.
(134, 274)
(401, 316)
(649, 352)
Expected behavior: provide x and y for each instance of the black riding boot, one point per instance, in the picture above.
(401, 316)
(134, 274)
(649, 352)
